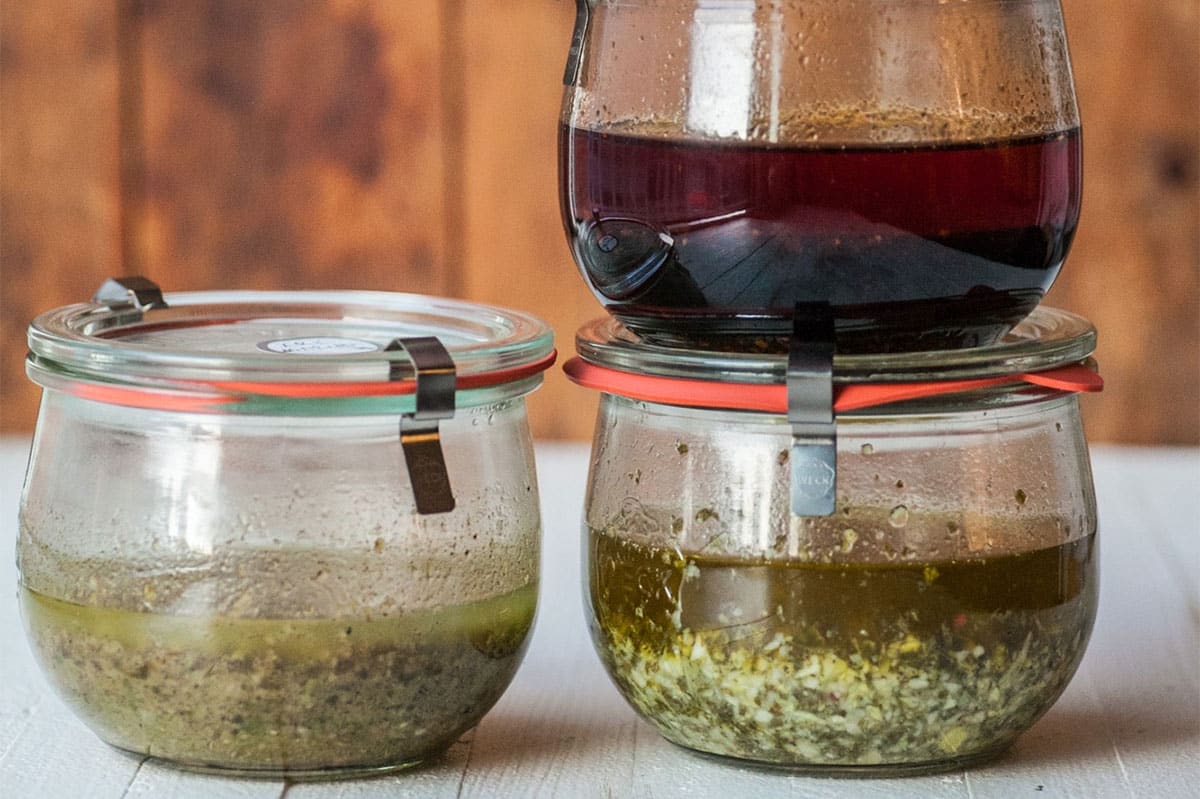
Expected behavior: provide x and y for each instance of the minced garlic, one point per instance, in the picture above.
(841, 665)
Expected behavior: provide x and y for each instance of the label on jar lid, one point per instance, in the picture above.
(318, 345)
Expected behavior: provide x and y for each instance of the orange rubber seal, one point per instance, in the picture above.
(232, 391)
(772, 397)
(182, 401)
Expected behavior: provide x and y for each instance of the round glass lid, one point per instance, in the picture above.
(273, 342)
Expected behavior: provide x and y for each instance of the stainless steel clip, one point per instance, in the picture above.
(419, 436)
(139, 293)
(813, 456)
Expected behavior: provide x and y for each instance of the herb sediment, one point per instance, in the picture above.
(840, 664)
(282, 694)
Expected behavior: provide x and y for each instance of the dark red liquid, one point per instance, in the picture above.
(921, 246)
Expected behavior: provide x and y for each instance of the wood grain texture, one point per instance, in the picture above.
(514, 249)
(291, 145)
(59, 184)
(1134, 269)
(411, 146)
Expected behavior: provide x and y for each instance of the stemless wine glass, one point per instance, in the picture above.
(915, 164)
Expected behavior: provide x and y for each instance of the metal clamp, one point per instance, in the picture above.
(419, 436)
(813, 456)
(139, 293)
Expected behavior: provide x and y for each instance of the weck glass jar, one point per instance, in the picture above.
(916, 164)
(285, 533)
(932, 618)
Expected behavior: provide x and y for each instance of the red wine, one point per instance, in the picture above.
(914, 246)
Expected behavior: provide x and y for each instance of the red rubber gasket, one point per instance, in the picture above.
(772, 397)
(229, 391)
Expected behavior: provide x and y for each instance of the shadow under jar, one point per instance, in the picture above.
(915, 164)
(932, 618)
(226, 555)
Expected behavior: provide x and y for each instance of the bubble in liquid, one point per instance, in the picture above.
(899, 516)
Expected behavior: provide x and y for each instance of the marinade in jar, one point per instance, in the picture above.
(915, 246)
(839, 664)
(236, 689)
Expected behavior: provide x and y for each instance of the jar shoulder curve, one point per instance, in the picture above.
(931, 486)
(162, 491)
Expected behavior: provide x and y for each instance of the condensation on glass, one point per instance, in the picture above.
(924, 625)
(224, 559)
(915, 164)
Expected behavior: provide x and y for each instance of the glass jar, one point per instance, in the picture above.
(916, 164)
(932, 618)
(270, 533)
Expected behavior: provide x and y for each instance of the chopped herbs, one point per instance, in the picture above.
(263, 694)
(845, 664)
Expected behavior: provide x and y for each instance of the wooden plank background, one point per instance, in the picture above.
(411, 146)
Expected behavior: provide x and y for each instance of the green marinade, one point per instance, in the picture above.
(829, 664)
(277, 694)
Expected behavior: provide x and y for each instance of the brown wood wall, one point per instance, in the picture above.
(411, 146)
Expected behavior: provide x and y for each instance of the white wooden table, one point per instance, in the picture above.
(1128, 725)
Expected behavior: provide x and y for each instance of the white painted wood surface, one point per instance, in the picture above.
(1128, 725)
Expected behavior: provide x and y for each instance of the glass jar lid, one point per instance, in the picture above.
(1051, 348)
(254, 350)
